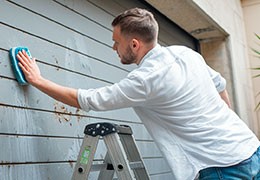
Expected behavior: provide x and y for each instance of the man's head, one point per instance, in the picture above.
(135, 33)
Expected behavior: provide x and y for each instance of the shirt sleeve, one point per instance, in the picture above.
(129, 92)
(219, 81)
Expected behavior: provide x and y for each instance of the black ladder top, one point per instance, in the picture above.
(103, 129)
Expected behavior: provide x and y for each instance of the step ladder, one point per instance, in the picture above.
(122, 154)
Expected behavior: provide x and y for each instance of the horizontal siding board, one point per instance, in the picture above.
(32, 122)
(113, 7)
(89, 10)
(5, 65)
(21, 149)
(159, 167)
(29, 97)
(31, 150)
(149, 150)
(58, 57)
(34, 149)
(15, 120)
(162, 176)
(57, 34)
(69, 19)
(59, 171)
(174, 35)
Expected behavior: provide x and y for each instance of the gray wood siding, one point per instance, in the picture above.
(72, 40)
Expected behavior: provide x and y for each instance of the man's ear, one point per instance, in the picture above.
(135, 44)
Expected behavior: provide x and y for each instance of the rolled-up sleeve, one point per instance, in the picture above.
(129, 92)
(219, 81)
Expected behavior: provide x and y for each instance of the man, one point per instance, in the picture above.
(181, 101)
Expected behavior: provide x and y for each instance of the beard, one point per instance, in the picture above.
(129, 57)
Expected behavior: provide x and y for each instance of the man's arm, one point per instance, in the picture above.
(224, 96)
(220, 84)
(33, 76)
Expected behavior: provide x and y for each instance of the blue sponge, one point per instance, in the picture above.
(14, 63)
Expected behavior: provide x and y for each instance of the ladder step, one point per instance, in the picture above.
(106, 166)
(136, 165)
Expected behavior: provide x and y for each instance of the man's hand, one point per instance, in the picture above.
(33, 76)
(29, 67)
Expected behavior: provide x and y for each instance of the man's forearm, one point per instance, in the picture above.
(64, 94)
(33, 76)
(224, 96)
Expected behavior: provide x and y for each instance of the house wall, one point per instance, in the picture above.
(229, 16)
(72, 41)
(251, 11)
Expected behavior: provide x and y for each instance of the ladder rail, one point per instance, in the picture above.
(134, 156)
(85, 158)
(118, 157)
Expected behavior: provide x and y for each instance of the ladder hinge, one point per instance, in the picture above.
(100, 129)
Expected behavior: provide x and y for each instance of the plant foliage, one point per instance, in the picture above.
(257, 52)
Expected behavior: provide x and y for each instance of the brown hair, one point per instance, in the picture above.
(138, 22)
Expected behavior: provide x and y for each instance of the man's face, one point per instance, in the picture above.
(123, 48)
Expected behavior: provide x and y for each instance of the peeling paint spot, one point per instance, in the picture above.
(71, 163)
(77, 110)
(61, 112)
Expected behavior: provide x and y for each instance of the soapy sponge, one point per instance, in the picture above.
(14, 63)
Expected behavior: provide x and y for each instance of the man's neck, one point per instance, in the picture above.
(143, 52)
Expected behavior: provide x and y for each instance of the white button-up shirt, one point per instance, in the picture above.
(175, 94)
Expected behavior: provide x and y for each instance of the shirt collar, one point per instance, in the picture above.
(154, 50)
